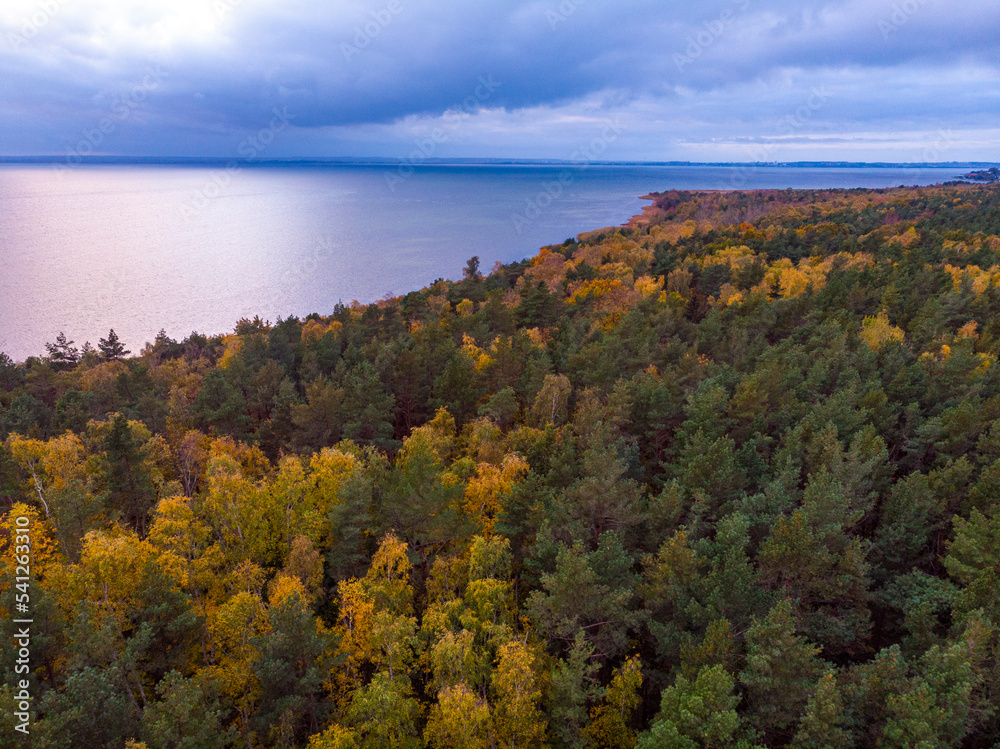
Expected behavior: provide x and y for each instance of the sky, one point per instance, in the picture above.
(653, 80)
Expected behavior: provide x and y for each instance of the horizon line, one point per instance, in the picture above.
(465, 161)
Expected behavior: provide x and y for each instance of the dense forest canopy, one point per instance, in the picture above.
(726, 477)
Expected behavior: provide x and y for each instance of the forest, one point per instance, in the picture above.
(726, 476)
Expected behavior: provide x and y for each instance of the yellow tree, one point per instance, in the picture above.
(19, 523)
(334, 737)
(30, 455)
(611, 721)
(489, 488)
(466, 628)
(518, 723)
(234, 626)
(552, 402)
(876, 332)
(245, 517)
(304, 492)
(489, 594)
(376, 616)
(458, 720)
(128, 611)
(56, 473)
(185, 546)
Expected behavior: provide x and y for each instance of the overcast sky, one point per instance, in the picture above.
(740, 80)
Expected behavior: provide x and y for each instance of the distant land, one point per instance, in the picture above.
(986, 175)
(377, 161)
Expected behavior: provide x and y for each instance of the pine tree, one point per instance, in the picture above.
(694, 714)
(126, 476)
(63, 354)
(111, 348)
(781, 669)
(822, 724)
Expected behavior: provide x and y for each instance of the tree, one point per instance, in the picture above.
(974, 562)
(384, 713)
(471, 270)
(518, 723)
(602, 499)
(91, 710)
(822, 726)
(187, 716)
(127, 477)
(111, 348)
(877, 331)
(552, 402)
(829, 584)
(63, 354)
(459, 720)
(219, 406)
(421, 501)
(319, 421)
(574, 685)
(10, 374)
(376, 617)
(935, 711)
(334, 737)
(590, 591)
(612, 720)
(368, 408)
(295, 658)
(694, 714)
(781, 670)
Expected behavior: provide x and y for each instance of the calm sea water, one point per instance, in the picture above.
(184, 248)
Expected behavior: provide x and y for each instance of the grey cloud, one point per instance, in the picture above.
(743, 61)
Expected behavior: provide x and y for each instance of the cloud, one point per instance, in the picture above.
(370, 74)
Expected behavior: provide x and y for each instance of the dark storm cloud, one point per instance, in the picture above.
(345, 65)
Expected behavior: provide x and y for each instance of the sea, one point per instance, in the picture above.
(181, 248)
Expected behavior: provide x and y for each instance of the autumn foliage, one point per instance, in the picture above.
(728, 476)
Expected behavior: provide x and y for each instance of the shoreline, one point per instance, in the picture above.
(648, 214)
